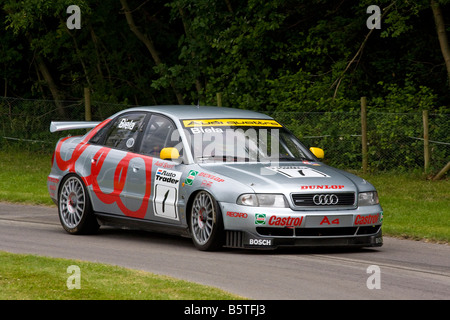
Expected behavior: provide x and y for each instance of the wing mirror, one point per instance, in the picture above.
(318, 152)
(169, 153)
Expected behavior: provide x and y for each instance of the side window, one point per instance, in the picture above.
(160, 133)
(124, 131)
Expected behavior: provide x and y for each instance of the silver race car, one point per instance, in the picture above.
(222, 176)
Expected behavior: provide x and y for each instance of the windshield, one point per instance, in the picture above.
(242, 140)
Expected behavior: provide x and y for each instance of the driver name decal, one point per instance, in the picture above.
(126, 124)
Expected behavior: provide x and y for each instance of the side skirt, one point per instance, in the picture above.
(140, 224)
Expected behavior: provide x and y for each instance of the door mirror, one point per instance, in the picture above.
(318, 152)
(169, 153)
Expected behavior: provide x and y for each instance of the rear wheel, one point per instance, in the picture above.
(74, 207)
(206, 223)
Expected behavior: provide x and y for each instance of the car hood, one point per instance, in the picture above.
(286, 177)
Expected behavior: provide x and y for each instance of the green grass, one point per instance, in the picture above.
(23, 177)
(30, 277)
(414, 207)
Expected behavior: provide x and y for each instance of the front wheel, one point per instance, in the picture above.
(206, 223)
(74, 207)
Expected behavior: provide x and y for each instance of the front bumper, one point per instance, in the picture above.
(269, 228)
(242, 239)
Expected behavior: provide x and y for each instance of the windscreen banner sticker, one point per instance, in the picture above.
(230, 123)
(299, 172)
(166, 193)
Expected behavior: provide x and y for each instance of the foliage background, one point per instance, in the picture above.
(306, 62)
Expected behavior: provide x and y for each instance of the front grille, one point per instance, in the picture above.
(307, 199)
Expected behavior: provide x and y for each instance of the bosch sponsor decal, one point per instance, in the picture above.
(367, 219)
(260, 242)
(230, 122)
(299, 172)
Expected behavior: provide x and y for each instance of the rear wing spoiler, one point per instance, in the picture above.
(71, 125)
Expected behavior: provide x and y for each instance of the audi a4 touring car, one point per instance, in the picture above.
(224, 177)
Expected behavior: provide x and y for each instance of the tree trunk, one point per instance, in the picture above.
(442, 35)
(148, 43)
(52, 85)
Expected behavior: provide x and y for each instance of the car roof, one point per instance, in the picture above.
(201, 112)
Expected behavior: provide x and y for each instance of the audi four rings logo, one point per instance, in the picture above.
(325, 199)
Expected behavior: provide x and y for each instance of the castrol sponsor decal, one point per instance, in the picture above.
(366, 219)
(278, 221)
(285, 221)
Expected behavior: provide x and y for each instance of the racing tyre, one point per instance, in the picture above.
(206, 224)
(75, 208)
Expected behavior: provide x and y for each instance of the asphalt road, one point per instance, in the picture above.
(407, 269)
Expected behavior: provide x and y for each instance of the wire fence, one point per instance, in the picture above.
(395, 141)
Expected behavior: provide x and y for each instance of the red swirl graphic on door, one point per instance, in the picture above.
(120, 174)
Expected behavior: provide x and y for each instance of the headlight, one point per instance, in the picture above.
(368, 198)
(263, 200)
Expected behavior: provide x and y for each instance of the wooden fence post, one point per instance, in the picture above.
(87, 105)
(364, 134)
(219, 99)
(426, 147)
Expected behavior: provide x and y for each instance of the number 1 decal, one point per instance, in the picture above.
(166, 193)
(165, 201)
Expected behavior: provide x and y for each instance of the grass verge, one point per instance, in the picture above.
(30, 277)
(414, 207)
(23, 177)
